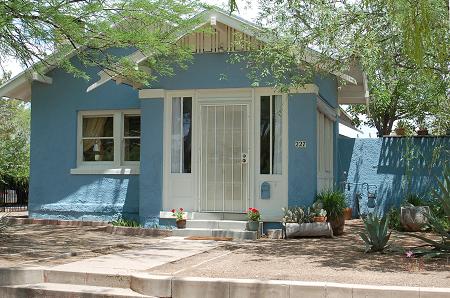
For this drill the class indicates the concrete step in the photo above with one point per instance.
(203, 232)
(216, 224)
(57, 290)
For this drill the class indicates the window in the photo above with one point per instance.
(110, 138)
(271, 135)
(132, 137)
(181, 135)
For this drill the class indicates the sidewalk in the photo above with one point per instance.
(144, 258)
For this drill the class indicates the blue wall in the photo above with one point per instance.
(397, 166)
(54, 192)
(302, 183)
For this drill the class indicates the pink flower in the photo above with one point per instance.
(181, 209)
(409, 254)
(173, 210)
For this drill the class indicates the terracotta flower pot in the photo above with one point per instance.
(400, 131)
(320, 218)
(337, 224)
(181, 223)
(422, 132)
(348, 213)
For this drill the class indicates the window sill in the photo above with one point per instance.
(93, 170)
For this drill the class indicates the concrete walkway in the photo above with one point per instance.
(131, 261)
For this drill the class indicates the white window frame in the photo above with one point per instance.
(271, 137)
(118, 166)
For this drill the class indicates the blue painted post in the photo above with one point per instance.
(302, 181)
(151, 174)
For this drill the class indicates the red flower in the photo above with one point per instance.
(173, 210)
(181, 209)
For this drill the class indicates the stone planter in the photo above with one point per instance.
(414, 219)
(314, 229)
(337, 224)
(253, 225)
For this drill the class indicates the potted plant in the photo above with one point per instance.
(400, 129)
(423, 130)
(414, 213)
(180, 220)
(333, 202)
(320, 216)
(253, 219)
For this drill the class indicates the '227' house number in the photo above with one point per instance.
(300, 144)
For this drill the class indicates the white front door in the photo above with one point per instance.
(224, 178)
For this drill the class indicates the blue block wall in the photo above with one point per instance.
(302, 177)
(396, 166)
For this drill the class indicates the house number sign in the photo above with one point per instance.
(300, 144)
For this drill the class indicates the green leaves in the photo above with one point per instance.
(376, 236)
(32, 30)
(14, 140)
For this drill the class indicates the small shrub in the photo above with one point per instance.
(296, 214)
(376, 236)
(415, 200)
(121, 222)
(333, 201)
(394, 219)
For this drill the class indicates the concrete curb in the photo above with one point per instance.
(186, 287)
(102, 226)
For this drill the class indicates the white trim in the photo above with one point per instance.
(152, 93)
(118, 165)
(96, 170)
(326, 109)
(41, 78)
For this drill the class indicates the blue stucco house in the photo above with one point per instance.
(101, 149)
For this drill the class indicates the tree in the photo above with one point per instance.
(47, 33)
(402, 46)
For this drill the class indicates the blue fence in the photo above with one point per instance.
(389, 168)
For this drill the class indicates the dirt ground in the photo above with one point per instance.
(341, 259)
(45, 245)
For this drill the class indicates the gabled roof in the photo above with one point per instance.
(355, 91)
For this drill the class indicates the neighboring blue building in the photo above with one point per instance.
(204, 139)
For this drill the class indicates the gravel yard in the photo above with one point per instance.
(341, 259)
(45, 245)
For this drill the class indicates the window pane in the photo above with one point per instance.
(132, 126)
(187, 134)
(132, 149)
(265, 135)
(277, 143)
(176, 135)
(98, 150)
(98, 126)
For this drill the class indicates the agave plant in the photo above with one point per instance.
(377, 234)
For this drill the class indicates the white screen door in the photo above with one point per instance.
(224, 157)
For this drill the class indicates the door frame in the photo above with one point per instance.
(251, 151)
(202, 96)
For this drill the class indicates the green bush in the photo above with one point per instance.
(394, 219)
(121, 222)
(415, 200)
(333, 201)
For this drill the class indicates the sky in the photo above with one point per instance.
(248, 9)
